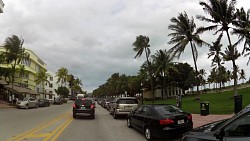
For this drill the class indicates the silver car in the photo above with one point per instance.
(27, 103)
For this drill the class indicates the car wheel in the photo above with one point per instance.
(147, 133)
(129, 122)
(36, 105)
(74, 116)
(26, 106)
(93, 116)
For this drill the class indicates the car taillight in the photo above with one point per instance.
(166, 121)
(74, 106)
(190, 117)
(92, 106)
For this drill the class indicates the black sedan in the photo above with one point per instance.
(160, 121)
(236, 128)
(43, 103)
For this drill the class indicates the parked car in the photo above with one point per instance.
(43, 103)
(83, 106)
(58, 101)
(27, 103)
(236, 128)
(106, 102)
(123, 106)
(160, 121)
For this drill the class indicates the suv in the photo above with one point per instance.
(123, 106)
(83, 106)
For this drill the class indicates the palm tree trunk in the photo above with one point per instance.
(231, 48)
(196, 72)
(151, 75)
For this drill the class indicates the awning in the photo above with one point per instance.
(20, 90)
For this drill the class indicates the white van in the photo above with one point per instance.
(80, 96)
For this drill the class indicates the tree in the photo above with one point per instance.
(242, 29)
(142, 44)
(41, 78)
(222, 15)
(62, 91)
(14, 55)
(183, 34)
(163, 62)
(62, 75)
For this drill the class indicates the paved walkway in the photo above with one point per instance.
(197, 118)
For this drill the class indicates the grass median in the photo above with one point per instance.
(219, 103)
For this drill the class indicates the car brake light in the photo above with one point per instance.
(74, 106)
(92, 106)
(190, 117)
(166, 121)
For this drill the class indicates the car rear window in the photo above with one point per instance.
(85, 102)
(167, 109)
(128, 101)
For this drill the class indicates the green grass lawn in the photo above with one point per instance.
(222, 103)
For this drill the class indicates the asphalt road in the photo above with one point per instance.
(56, 123)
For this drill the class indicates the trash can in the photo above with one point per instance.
(204, 106)
(237, 103)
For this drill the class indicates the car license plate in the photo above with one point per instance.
(180, 121)
(83, 108)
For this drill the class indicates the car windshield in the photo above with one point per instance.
(40, 100)
(167, 109)
(24, 99)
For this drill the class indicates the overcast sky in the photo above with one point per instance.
(93, 38)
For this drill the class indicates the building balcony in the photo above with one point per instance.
(1, 6)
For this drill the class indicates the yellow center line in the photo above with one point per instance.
(31, 133)
(59, 130)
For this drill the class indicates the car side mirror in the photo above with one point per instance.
(219, 134)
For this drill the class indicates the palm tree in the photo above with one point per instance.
(142, 44)
(222, 15)
(163, 63)
(70, 80)
(62, 75)
(22, 72)
(242, 75)
(242, 29)
(202, 74)
(14, 55)
(41, 78)
(183, 34)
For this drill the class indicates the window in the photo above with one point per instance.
(50, 96)
(51, 78)
(146, 111)
(239, 127)
(51, 85)
(26, 62)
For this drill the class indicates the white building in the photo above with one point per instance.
(1, 6)
(52, 85)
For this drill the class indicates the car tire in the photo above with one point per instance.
(93, 116)
(74, 116)
(36, 105)
(27, 106)
(110, 112)
(148, 134)
(129, 122)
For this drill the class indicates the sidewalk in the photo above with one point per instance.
(199, 120)
(4, 104)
